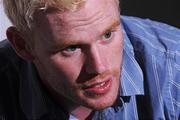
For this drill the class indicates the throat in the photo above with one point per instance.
(82, 113)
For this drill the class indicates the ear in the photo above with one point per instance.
(19, 44)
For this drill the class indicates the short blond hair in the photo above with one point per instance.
(20, 12)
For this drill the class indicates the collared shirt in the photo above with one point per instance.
(150, 79)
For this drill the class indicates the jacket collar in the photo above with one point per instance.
(34, 101)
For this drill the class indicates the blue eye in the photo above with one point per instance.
(71, 48)
(107, 35)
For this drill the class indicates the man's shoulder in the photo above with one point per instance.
(156, 48)
(10, 62)
(9, 81)
(7, 54)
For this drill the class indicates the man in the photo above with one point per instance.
(76, 59)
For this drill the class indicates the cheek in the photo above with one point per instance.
(115, 52)
(69, 68)
(61, 75)
(118, 49)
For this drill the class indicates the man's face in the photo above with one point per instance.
(79, 54)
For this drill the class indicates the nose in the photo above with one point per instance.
(95, 61)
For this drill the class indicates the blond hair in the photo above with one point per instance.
(20, 12)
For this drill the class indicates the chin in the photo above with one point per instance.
(103, 102)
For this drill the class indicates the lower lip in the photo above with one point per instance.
(99, 90)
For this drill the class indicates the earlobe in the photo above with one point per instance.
(18, 43)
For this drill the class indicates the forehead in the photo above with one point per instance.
(91, 16)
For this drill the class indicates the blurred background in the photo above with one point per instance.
(4, 22)
(167, 11)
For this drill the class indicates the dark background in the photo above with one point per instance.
(167, 11)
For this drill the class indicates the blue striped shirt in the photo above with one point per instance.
(150, 80)
(151, 74)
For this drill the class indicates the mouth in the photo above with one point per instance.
(98, 87)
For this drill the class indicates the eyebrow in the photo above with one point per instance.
(65, 44)
(111, 26)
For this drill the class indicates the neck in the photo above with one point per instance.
(82, 113)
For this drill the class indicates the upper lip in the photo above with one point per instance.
(96, 81)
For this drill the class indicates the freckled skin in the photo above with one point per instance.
(64, 70)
